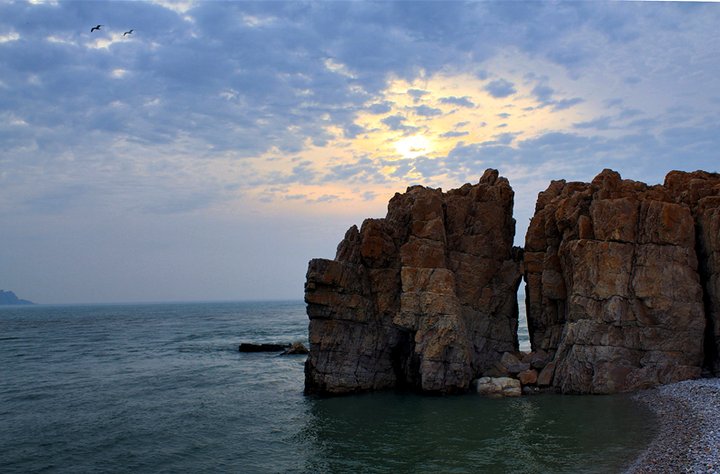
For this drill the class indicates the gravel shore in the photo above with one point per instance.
(688, 438)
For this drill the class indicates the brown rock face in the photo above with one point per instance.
(701, 192)
(613, 289)
(424, 298)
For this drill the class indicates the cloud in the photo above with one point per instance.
(600, 123)
(427, 111)
(459, 101)
(368, 196)
(417, 94)
(545, 95)
(454, 134)
(327, 198)
(362, 170)
(563, 104)
(500, 88)
(380, 108)
(395, 122)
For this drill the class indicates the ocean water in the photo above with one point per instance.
(162, 388)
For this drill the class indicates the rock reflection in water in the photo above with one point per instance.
(390, 432)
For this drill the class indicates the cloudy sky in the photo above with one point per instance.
(212, 152)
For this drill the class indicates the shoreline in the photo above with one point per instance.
(688, 436)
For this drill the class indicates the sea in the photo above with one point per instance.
(162, 388)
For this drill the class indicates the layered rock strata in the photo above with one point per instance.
(613, 290)
(424, 298)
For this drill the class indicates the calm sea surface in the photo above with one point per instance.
(162, 388)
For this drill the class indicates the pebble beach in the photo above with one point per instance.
(688, 437)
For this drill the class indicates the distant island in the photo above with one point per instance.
(8, 297)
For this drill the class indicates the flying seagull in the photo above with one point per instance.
(95, 28)
(128, 32)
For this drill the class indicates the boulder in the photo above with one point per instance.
(538, 359)
(296, 348)
(613, 289)
(424, 298)
(498, 387)
(512, 364)
(528, 377)
(545, 377)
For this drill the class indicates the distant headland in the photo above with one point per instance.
(8, 297)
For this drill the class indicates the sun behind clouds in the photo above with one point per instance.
(413, 146)
(407, 134)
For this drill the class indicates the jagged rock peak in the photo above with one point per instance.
(424, 298)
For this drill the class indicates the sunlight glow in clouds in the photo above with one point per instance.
(426, 118)
(413, 146)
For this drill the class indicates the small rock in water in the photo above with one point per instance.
(295, 349)
(264, 347)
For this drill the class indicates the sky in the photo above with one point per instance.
(216, 149)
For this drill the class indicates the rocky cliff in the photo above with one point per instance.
(424, 298)
(613, 283)
(622, 289)
(700, 191)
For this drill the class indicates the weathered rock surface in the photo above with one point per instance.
(701, 192)
(424, 298)
(613, 290)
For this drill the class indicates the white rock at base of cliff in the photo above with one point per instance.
(498, 387)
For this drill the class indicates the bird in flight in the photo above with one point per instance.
(128, 32)
(95, 28)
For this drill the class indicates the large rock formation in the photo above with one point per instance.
(613, 289)
(701, 192)
(424, 298)
(623, 289)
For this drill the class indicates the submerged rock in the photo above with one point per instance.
(263, 347)
(424, 298)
